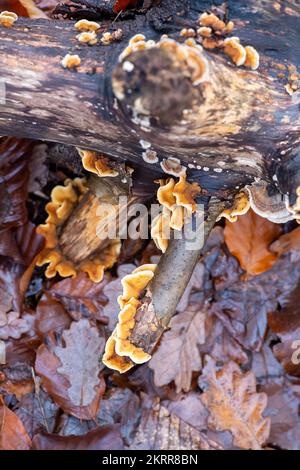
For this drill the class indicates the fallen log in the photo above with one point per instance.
(243, 121)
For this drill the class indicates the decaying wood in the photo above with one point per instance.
(99, 212)
(244, 122)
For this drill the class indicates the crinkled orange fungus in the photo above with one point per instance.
(63, 201)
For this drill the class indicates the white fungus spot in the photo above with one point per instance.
(144, 144)
(128, 66)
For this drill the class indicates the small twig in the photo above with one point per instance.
(165, 290)
(37, 394)
(119, 14)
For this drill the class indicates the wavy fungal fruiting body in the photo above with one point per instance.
(178, 202)
(212, 29)
(7, 18)
(274, 208)
(120, 354)
(71, 61)
(95, 163)
(63, 201)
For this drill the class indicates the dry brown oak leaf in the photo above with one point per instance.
(70, 372)
(161, 430)
(178, 353)
(234, 405)
(249, 240)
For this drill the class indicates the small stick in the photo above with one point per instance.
(165, 290)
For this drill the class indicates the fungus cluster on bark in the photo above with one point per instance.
(63, 201)
(120, 353)
(7, 18)
(166, 100)
(178, 204)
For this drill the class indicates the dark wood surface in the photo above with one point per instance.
(45, 101)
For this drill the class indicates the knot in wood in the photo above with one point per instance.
(151, 84)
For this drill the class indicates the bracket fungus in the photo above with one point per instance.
(120, 354)
(71, 61)
(87, 37)
(272, 206)
(8, 18)
(178, 203)
(96, 163)
(107, 37)
(212, 34)
(63, 201)
(86, 25)
(172, 166)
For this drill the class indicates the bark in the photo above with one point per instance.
(260, 119)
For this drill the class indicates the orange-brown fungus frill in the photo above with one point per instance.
(178, 203)
(95, 163)
(241, 205)
(252, 58)
(235, 50)
(212, 21)
(120, 354)
(7, 18)
(63, 200)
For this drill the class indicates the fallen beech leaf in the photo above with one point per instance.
(285, 323)
(233, 403)
(102, 438)
(243, 306)
(121, 406)
(81, 296)
(13, 435)
(18, 389)
(14, 6)
(177, 355)
(220, 344)
(161, 430)
(47, 5)
(50, 316)
(37, 412)
(283, 409)
(10, 298)
(70, 373)
(32, 10)
(14, 158)
(287, 242)
(29, 242)
(249, 240)
(190, 409)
